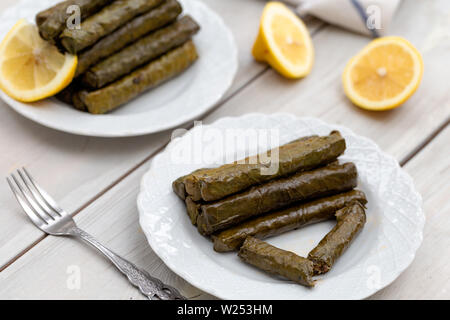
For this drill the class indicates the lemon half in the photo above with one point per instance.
(384, 74)
(284, 42)
(32, 69)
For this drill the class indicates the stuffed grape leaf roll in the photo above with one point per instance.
(67, 93)
(325, 181)
(179, 186)
(70, 95)
(192, 209)
(279, 222)
(140, 52)
(151, 75)
(305, 154)
(104, 22)
(167, 12)
(350, 222)
(52, 22)
(42, 16)
(277, 261)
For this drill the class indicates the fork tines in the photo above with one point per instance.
(38, 205)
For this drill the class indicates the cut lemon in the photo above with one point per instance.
(384, 74)
(284, 42)
(32, 69)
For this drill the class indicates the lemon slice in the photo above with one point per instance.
(384, 74)
(32, 69)
(284, 42)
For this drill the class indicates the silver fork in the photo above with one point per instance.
(50, 218)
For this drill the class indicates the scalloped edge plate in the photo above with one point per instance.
(383, 250)
(175, 102)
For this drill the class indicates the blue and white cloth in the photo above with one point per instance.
(368, 17)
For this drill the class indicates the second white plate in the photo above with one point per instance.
(385, 247)
(171, 104)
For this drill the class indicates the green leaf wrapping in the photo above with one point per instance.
(279, 222)
(167, 12)
(276, 194)
(156, 72)
(104, 22)
(350, 222)
(277, 261)
(179, 187)
(42, 16)
(52, 22)
(70, 96)
(228, 179)
(141, 52)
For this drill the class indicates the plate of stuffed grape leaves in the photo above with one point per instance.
(143, 66)
(280, 207)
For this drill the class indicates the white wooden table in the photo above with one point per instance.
(97, 180)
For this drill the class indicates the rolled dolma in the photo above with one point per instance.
(70, 96)
(306, 154)
(156, 72)
(143, 51)
(45, 14)
(77, 102)
(104, 22)
(350, 221)
(325, 181)
(192, 209)
(52, 22)
(279, 222)
(66, 94)
(179, 187)
(167, 12)
(277, 261)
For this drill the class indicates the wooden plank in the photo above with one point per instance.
(4, 4)
(428, 277)
(48, 270)
(321, 95)
(244, 23)
(76, 169)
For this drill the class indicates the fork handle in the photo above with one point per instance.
(151, 287)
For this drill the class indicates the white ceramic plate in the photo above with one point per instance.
(384, 249)
(173, 103)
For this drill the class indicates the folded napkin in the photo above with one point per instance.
(368, 17)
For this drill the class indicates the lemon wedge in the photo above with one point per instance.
(384, 74)
(32, 69)
(284, 42)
